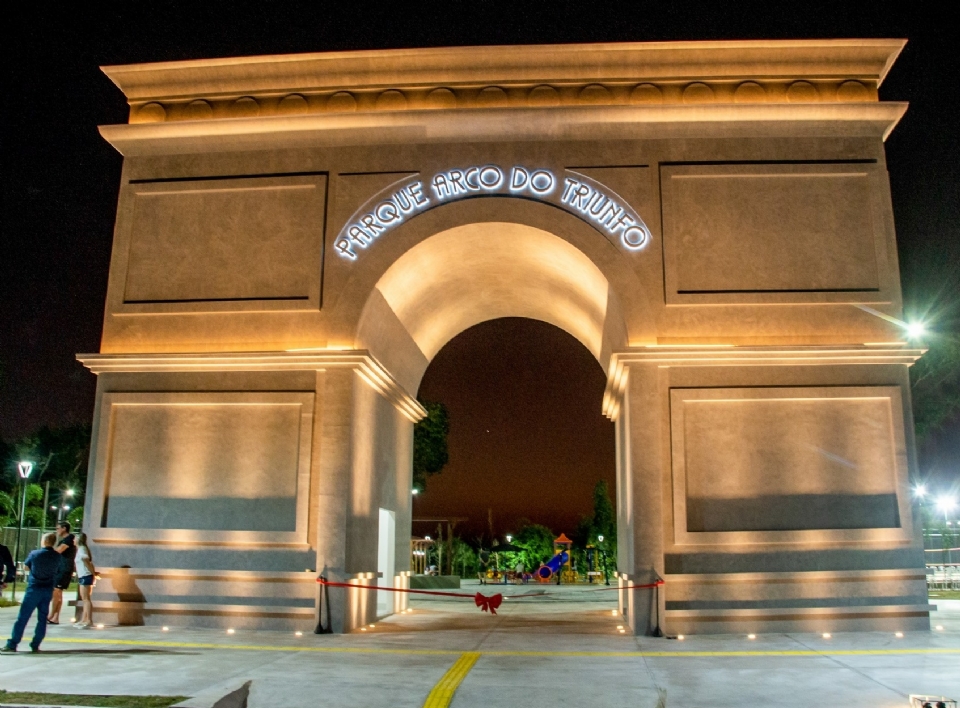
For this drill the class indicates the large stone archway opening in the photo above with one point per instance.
(483, 271)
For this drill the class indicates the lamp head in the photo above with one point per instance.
(920, 491)
(24, 468)
(600, 538)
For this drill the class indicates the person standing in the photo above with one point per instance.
(44, 565)
(8, 570)
(67, 548)
(86, 572)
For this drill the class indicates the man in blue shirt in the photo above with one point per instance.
(44, 568)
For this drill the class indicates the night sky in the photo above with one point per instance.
(61, 183)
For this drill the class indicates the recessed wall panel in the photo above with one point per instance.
(216, 241)
(757, 230)
(206, 464)
(785, 460)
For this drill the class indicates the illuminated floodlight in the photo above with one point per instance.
(915, 330)
(427, 538)
(920, 491)
(69, 493)
(24, 468)
(414, 491)
(946, 504)
(509, 538)
(600, 538)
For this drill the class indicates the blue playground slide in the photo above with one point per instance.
(552, 566)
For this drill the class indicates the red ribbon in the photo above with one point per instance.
(486, 604)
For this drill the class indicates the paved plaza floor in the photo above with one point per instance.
(552, 650)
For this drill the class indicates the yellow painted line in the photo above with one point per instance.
(442, 693)
(451, 652)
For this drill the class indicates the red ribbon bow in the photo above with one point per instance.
(488, 603)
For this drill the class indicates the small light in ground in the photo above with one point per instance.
(751, 636)
(680, 637)
(939, 627)
(619, 626)
(164, 629)
(73, 620)
(622, 631)
(99, 626)
(363, 629)
(613, 613)
(231, 631)
(898, 635)
(826, 635)
(372, 626)
(298, 634)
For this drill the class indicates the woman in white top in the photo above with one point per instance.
(86, 573)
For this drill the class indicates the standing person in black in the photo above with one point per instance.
(7, 569)
(67, 548)
(44, 567)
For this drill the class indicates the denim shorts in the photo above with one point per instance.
(85, 580)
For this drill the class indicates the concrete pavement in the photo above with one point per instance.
(556, 650)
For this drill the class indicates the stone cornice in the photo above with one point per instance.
(721, 355)
(368, 368)
(685, 73)
(874, 120)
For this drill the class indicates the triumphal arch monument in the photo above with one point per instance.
(298, 236)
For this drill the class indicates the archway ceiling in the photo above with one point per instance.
(483, 271)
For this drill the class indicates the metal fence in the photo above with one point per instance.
(29, 539)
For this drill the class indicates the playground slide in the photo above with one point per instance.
(552, 566)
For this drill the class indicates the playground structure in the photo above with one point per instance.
(560, 569)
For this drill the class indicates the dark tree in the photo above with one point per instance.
(430, 443)
(935, 385)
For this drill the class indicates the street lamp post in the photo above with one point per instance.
(24, 468)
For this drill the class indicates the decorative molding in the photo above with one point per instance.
(471, 77)
(366, 366)
(476, 97)
(607, 122)
(722, 355)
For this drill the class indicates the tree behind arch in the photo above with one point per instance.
(430, 443)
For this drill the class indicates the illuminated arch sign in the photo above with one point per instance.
(583, 197)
